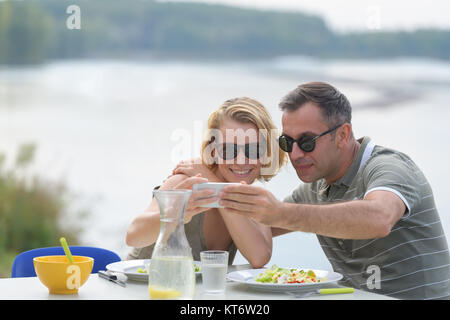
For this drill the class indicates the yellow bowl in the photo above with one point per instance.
(60, 276)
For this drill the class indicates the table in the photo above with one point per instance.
(97, 288)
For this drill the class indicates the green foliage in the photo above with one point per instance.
(31, 210)
(25, 33)
(34, 30)
(425, 43)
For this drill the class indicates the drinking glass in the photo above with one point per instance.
(214, 270)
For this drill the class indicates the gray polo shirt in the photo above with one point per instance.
(413, 261)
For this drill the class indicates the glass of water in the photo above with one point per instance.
(214, 270)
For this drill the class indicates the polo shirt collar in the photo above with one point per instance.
(364, 153)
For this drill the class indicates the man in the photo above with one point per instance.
(371, 207)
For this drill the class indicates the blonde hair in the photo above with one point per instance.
(246, 110)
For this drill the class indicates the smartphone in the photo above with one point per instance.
(217, 186)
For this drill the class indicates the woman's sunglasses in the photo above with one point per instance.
(228, 151)
(306, 143)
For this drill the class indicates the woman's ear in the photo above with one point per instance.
(214, 156)
(209, 154)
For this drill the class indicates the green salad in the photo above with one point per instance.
(279, 275)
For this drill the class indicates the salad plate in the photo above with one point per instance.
(248, 277)
(137, 270)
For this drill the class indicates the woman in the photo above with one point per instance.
(240, 146)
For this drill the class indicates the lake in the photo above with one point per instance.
(112, 130)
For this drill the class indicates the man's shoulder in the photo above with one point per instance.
(383, 157)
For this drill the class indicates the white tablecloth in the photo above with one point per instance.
(97, 288)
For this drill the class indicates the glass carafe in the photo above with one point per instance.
(171, 272)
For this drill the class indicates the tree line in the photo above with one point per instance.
(34, 31)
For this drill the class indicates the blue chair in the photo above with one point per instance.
(23, 263)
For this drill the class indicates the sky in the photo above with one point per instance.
(348, 15)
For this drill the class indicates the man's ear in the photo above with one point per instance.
(343, 134)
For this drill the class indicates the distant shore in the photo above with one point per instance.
(389, 97)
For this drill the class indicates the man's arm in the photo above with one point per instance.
(357, 219)
(370, 218)
(279, 231)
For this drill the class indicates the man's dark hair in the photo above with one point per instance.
(336, 109)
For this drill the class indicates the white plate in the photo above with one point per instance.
(130, 267)
(248, 277)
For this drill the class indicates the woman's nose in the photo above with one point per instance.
(241, 158)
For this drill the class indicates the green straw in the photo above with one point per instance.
(66, 249)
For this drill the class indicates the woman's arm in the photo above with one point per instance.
(253, 239)
(144, 229)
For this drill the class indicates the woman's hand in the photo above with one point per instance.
(195, 202)
(193, 167)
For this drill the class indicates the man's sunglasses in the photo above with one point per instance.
(306, 143)
(228, 151)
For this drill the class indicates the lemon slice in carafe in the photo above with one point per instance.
(163, 293)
